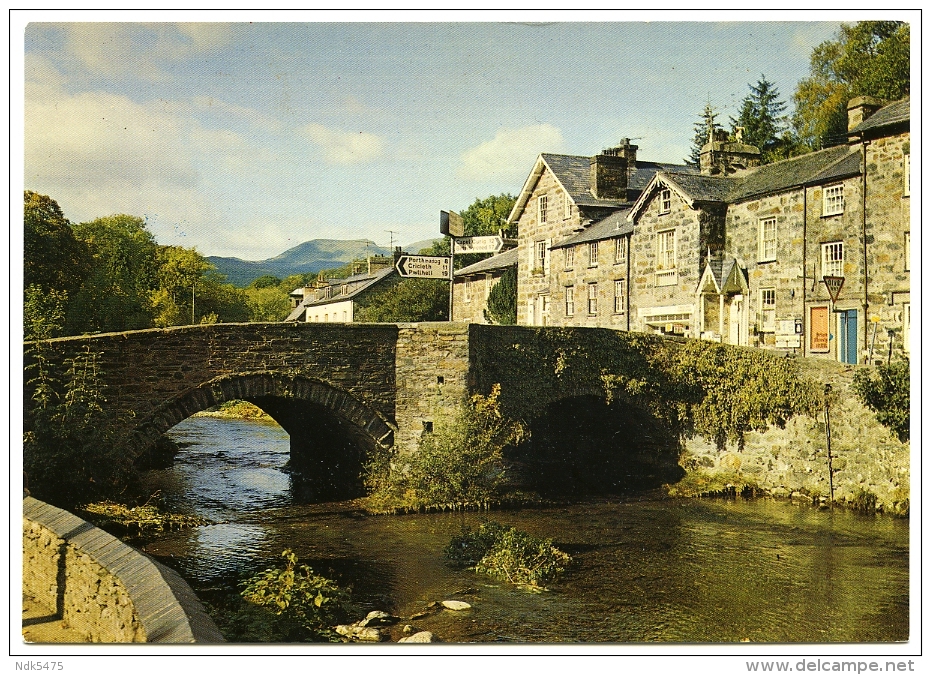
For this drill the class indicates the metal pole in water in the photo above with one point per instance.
(827, 433)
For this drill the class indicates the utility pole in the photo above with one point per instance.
(391, 244)
(193, 284)
(827, 433)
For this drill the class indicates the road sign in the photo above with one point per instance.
(833, 284)
(424, 266)
(488, 244)
(451, 224)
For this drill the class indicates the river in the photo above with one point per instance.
(647, 569)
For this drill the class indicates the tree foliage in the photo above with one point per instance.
(886, 393)
(407, 300)
(502, 300)
(54, 259)
(485, 216)
(707, 122)
(870, 58)
(763, 120)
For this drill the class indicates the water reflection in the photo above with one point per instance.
(644, 569)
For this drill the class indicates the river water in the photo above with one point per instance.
(649, 569)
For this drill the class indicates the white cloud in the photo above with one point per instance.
(345, 147)
(510, 153)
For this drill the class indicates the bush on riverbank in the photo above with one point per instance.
(509, 554)
(887, 394)
(73, 453)
(460, 465)
(305, 605)
(699, 483)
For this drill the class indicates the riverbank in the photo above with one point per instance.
(237, 410)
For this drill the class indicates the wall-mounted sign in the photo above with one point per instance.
(451, 224)
(833, 284)
(820, 330)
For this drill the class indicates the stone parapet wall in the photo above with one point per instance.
(432, 377)
(103, 589)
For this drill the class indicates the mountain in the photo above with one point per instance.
(418, 246)
(311, 256)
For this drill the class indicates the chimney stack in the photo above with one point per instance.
(860, 108)
(609, 171)
(722, 157)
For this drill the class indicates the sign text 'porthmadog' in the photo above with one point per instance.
(424, 266)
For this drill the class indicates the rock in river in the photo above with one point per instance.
(456, 605)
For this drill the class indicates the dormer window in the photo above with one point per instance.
(665, 201)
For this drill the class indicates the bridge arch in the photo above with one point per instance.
(332, 433)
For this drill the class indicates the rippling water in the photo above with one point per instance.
(644, 570)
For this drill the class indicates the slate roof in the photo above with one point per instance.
(701, 188)
(824, 165)
(574, 172)
(894, 113)
(614, 225)
(354, 285)
(495, 262)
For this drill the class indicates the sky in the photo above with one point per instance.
(245, 139)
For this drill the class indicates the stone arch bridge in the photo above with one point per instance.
(342, 391)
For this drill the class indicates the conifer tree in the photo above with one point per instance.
(703, 127)
(762, 119)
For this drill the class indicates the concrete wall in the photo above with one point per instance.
(102, 588)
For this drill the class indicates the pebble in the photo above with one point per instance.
(456, 605)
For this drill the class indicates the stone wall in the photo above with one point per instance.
(432, 377)
(793, 462)
(103, 589)
(606, 270)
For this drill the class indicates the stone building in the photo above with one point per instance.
(473, 284)
(563, 196)
(739, 253)
(335, 300)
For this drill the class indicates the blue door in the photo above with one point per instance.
(848, 335)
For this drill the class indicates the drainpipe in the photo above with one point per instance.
(866, 276)
(804, 271)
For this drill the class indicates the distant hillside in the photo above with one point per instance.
(311, 256)
(418, 246)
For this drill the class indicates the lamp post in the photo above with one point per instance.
(193, 285)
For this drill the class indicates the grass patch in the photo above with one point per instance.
(135, 521)
(241, 410)
(508, 554)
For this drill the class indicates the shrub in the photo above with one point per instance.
(73, 453)
(887, 395)
(502, 300)
(299, 596)
(460, 465)
(509, 554)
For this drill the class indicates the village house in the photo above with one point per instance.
(563, 196)
(739, 253)
(336, 300)
(472, 286)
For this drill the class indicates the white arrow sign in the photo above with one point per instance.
(489, 244)
(424, 266)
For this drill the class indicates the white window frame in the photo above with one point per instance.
(620, 296)
(570, 257)
(767, 310)
(665, 201)
(832, 265)
(593, 254)
(768, 240)
(833, 202)
(593, 298)
(908, 251)
(540, 250)
(620, 250)
(541, 209)
(567, 205)
(570, 300)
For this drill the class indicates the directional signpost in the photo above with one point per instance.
(487, 244)
(425, 267)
